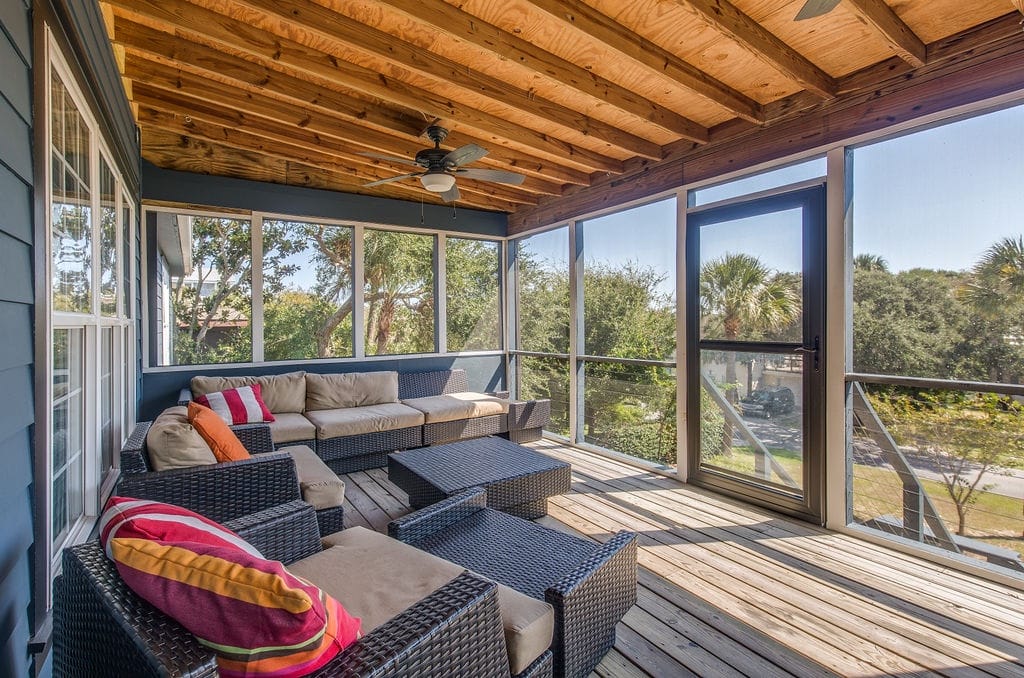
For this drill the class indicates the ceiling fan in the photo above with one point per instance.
(816, 8)
(442, 167)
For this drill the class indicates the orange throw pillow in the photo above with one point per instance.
(222, 440)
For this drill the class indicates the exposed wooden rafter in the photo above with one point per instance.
(903, 41)
(606, 30)
(453, 21)
(590, 100)
(725, 17)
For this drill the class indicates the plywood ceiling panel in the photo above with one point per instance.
(564, 92)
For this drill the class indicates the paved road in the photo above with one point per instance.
(785, 433)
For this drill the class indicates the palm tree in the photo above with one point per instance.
(870, 262)
(739, 294)
(997, 279)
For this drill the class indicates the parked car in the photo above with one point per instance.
(768, 402)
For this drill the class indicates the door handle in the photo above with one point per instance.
(813, 351)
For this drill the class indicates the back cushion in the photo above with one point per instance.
(356, 389)
(258, 618)
(280, 392)
(172, 442)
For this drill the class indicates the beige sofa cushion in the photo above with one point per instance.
(356, 389)
(289, 427)
(320, 486)
(352, 421)
(280, 392)
(376, 577)
(172, 442)
(453, 406)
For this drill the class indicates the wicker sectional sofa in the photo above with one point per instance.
(353, 420)
(447, 623)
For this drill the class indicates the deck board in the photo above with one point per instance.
(727, 589)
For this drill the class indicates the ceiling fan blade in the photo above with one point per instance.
(389, 158)
(463, 155)
(452, 194)
(500, 176)
(816, 8)
(390, 179)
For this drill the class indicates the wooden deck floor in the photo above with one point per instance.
(731, 590)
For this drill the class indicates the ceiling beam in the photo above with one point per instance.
(250, 112)
(344, 162)
(726, 18)
(900, 38)
(320, 23)
(453, 21)
(185, 153)
(195, 23)
(604, 29)
(975, 65)
(1019, 4)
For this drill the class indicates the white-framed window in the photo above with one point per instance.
(90, 363)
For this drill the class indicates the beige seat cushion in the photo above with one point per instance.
(280, 392)
(355, 389)
(320, 486)
(452, 406)
(289, 427)
(376, 577)
(172, 442)
(353, 421)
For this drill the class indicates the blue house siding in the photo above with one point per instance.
(201, 189)
(16, 332)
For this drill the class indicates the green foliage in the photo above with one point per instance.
(964, 435)
(474, 303)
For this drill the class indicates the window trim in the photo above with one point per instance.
(95, 488)
(358, 228)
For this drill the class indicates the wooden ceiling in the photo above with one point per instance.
(565, 92)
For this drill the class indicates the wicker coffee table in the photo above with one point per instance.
(518, 481)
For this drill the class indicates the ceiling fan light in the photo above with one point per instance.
(437, 182)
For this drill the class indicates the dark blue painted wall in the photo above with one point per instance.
(201, 189)
(16, 336)
(485, 373)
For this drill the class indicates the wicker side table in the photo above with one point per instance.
(518, 481)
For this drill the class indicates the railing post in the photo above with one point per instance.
(913, 512)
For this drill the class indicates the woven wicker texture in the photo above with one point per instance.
(590, 586)
(346, 454)
(225, 491)
(461, 429)
(523, 414)
(543, 667)
(513, 475)
(101, 628)
(525, 435)
(424, 384)
(220, 491)
(287, 532)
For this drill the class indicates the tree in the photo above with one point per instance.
(218, 292)
(965, 435)
(741, 298)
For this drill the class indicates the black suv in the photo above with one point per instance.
(768, 402)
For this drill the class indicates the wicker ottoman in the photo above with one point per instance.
(518, 481)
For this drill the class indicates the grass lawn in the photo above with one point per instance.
(995, 519)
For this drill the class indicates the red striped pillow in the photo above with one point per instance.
(258, 618)
(242, 405)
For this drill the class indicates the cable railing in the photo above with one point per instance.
(939, 462)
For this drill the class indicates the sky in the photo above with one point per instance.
(934, 199)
